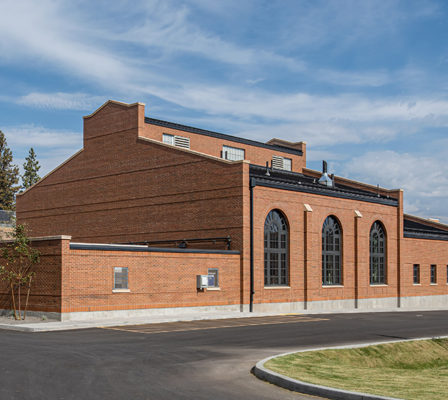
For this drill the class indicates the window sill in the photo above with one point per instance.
(332, 286)
(417, 284)
(433, 284)
(213, 288)
(121, 290)
(379, 285)
(277, 287)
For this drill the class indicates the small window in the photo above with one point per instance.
(416, 274)
(232, 153)
(178, 141)
(287, 164)
(168, 139)
(433, 274)
(120, 278)
(279, 162)
(213, 278)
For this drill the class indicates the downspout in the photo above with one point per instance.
(252, 184)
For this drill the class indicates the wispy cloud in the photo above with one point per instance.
(61, 101)
(25, 136)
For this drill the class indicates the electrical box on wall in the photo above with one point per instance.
(202, 282)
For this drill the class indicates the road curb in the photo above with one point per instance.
(265, 374)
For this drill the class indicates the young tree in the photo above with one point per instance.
(16, 268)
(31, 168)
(9, 176)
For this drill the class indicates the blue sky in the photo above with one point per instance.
(364, 83)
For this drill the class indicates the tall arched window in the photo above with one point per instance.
(377, 254)
(331, 252)
(275, 250)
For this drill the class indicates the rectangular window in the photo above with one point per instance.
(120, 278)
(232, 153)
(213, 278)
(168, 139)
(279, 162)
(416, 274)
(287, 164)
(433, 274)
(178, 141)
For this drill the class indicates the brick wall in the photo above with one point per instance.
(83, 280)
(305, 234)
(123, 189)
(45, 294)
(156, 280)
(425, 253)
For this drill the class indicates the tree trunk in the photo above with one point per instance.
(13, 300)
(27, 297)
(18, 301)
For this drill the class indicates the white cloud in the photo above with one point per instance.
(422, 177)
(26, 136)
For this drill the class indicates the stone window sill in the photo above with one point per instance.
(379, 285)
(213, 288)
(121, 290)
(277, 287)
(332, 286)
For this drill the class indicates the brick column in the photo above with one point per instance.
(307, 250)
(357, 217)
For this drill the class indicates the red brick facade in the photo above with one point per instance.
(77, 280)
(126, 186)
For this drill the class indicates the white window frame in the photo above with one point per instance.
(214, 271)
(168, 139)
(121, 270)
(233, 153)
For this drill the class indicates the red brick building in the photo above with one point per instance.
(152, 204)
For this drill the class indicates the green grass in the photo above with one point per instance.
(414, 370)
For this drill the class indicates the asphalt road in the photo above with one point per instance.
(195, 360)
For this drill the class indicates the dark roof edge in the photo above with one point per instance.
(145, 249)
(425, 235)
(426, 221)
(223, 136)
(349, 196)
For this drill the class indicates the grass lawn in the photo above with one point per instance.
(416, 370)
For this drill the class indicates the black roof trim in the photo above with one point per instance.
(145, 249)
(416, 234)
(297, 182)
(422, 227)
(223, 136)
(324, 192)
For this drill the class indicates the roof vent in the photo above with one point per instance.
(325, 179)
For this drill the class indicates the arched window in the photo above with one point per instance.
(275, 250)
(331, 252)
(377, 254)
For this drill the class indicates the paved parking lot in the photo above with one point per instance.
(217, 324)
(198, 360)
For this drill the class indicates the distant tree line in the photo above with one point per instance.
(10, 175)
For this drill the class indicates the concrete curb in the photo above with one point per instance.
(261, 372)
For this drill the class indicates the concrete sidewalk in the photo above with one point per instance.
(49, 326)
